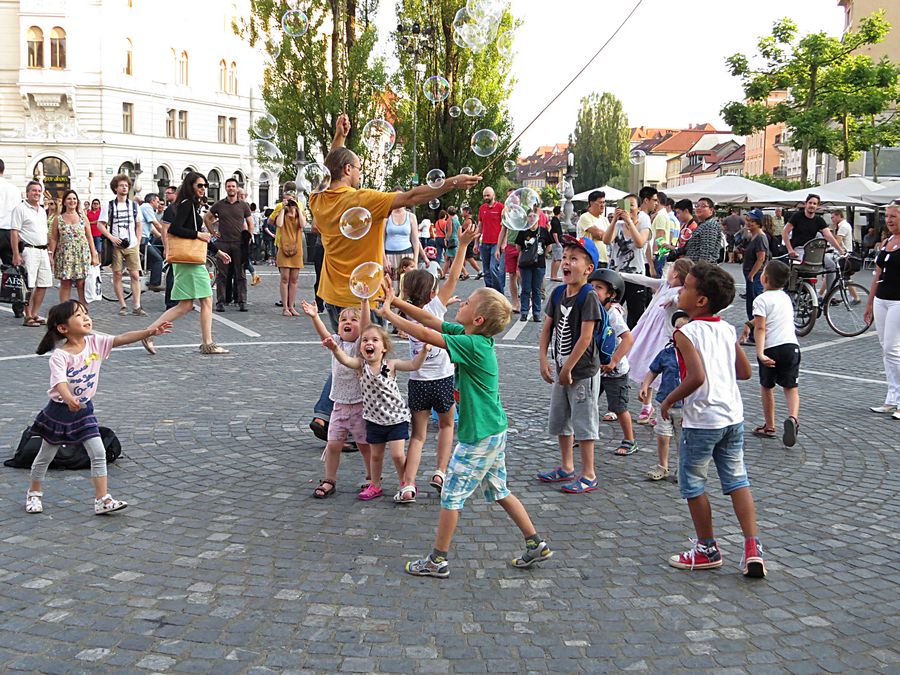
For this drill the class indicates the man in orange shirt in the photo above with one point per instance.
(343, 255)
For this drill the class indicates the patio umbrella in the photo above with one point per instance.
(827, 197)
(728, 190)
(886, 194)
(852, 186)
(612, 194)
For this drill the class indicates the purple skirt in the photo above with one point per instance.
(56, 424)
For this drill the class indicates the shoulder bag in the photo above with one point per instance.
(187, 251)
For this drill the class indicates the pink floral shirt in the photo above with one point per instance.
(81, 371)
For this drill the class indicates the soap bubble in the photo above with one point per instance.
(436, 88)
(518, 210)
(378, 136)
(269, 46)
(473, 107)
(434, 204)
(365, 280)
(485, 9)
(505, 45)
(315, 178)
(473, 32)
(509, 166)
(267, 155)
(435, 178)
(467, 171)
(485, 142)
(637, 156)
(355, 222)
(562, 188)
(455, 111)
(263, 125)
(293, 4)
(295, 23)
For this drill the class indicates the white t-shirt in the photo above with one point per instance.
(9, 198)
(434, 269)
(425, 229)
(345, 381)
(623, 255)
(619, 326)
(31, 223)
(778, 311)
(587, 220)
(845, 235)
(437, 364)
(716, 404)
(123, 225)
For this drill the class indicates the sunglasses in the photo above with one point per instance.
(202, 185)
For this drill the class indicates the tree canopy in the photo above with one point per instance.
(600, 140)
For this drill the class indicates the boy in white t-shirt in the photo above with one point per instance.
(713, 418)
(777, 351)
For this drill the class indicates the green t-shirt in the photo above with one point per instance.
(481, 413)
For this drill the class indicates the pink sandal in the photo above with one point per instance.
(369, 492)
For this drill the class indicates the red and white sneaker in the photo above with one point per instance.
(752, 564)
(699, 557)
(645, 416)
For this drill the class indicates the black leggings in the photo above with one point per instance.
(636, 300)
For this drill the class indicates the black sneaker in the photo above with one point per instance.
(524, 317)
(220, 307)
(242, 307)
(426, 567)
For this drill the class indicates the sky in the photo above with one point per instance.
(667, 65)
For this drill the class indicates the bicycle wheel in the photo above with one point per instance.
(806, 308)
(108, 289)
(211, 269)
(844, 312)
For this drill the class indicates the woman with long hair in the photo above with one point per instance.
(192, 279)
(71, 247)
(289, 223)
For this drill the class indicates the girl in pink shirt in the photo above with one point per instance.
(69, 415)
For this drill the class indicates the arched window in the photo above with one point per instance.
(58, 48)
(223, 76)
(174, 66)
(35, 47)
(183, 68)
(129, 57)
(232, 78)
(214, 180)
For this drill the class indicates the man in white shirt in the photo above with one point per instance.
(151, 240)
(628, 239)
(28, 236)
(119, 224)
(593, 224)
(9, 198)
(843, 230)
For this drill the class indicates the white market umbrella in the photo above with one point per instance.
(852, 186)
(886, 194)
(827, 197)
(728, 190)
(612, 194)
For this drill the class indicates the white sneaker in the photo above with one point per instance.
(106, 504)
(33, 502)
(896, 415)
(885, 409)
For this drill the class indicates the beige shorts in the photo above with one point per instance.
(131, 256)
(38, 268)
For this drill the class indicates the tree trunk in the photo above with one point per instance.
(846, 141)
(810, 102)
(874, 152)
(804, 162)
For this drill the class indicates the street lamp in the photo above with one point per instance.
(413, 40)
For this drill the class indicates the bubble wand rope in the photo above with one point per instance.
(563, 90)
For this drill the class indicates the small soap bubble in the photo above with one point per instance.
(355, 222)
(473, 107)
(315, 178)
(467, 171)
(518, 210)
(378, 136)
(365, 280)
(266, 154)
(509, 166)
(264, 125)
(455, 111)
(295, 23)
(434, 204)
(436, 88)
(637, 156)
(435, 178)
(485, 142)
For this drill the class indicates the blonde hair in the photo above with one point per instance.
(349, 310)
(494, 308)
(385, 338)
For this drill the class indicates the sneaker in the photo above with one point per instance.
(33, 502)
(645, 416)
(532, 556)
(254, 281)
(699, 557)
(123, 311)
(426, 567)
(885, 409)
(220, 307)
(524, 317)
(106, 504)
(369, 492)
(752, 563)
(139, 311)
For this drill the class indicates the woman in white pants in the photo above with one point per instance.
(884, 307)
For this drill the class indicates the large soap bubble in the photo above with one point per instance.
(263, 125)
(355, 222)
(485, 9)
(471, 32)
(435, 178)
(518, 210)
(637, 156)
(295, 23)
(378, 136)
(267, 155)
(365, 280)
(434, 204)
(509, 166)
(485, 142)
(315, 178)
(473, 107)
(455, 111)
(505, 45)
(436, 88)
(467, 171)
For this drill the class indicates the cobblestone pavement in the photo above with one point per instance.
(224, 562)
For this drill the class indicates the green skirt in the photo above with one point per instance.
(191, 282)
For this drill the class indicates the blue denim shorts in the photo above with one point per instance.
(723, 446)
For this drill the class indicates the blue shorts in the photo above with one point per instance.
(723, 446)
(385, 433)
(481, 464)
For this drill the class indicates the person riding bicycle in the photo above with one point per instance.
(806, 225)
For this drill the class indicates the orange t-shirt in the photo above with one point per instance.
(343, 255)
(440, 228)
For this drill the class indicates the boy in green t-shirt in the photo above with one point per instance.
(480, 457)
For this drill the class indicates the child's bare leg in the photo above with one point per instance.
(587, 459)
(445, 438)
(366, 453)
(792, 398)
(768, 404)
(446, 528)
(399, 457)
(662, 450)
(375, 463)
(333, 458)
(567, 461)
(519, 515)
(626, 426)
(745, 510)
(416, 443)
(100, 486)
(701, 514)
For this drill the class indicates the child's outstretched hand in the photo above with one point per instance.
(468, 232)
(452, 300)
(164, 327)
(329, 343)
(644, 394)
(308, 309)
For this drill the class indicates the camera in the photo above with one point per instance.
(124, 243)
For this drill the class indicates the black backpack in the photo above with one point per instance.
(70, 456)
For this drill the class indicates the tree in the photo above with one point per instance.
(600, 140)
(800, 67)
(779, 182)
(549, 195)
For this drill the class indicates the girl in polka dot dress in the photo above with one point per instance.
(384, 410)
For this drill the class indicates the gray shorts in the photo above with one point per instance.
(556, 251)
(573, 409)
(616, 389)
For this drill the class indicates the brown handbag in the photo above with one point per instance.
(189, 251)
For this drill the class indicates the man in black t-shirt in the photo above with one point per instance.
(234, 218)
(806, 225)
(168, 217)
(556, 247)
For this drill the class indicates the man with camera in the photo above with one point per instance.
(120, 225)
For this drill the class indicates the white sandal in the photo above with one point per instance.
(406, 490)
(610, 417)
(33, 502)
(106, 504)
(433, 482)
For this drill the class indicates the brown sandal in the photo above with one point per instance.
(321, 492)
(762, 431)
(31, 322)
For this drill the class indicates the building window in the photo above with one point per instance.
(232, 130)
(182, 124)
(58, 48)
(128, 118)
(221, 128)
(35, 47)
(232, 78)
(223, 76)
(129, 57)
(183, 68)
(170, 123)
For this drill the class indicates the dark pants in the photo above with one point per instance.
(233, 249)
(494, 270)
(170, 281)
(318, 257)
(154, 260)
(532, 281)
(636, 300)
(6, 257)
(754, 289)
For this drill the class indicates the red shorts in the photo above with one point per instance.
(512, 259)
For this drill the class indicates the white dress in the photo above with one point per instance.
(654, 328)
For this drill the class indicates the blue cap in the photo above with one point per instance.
(585, 244)
(755, 214)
